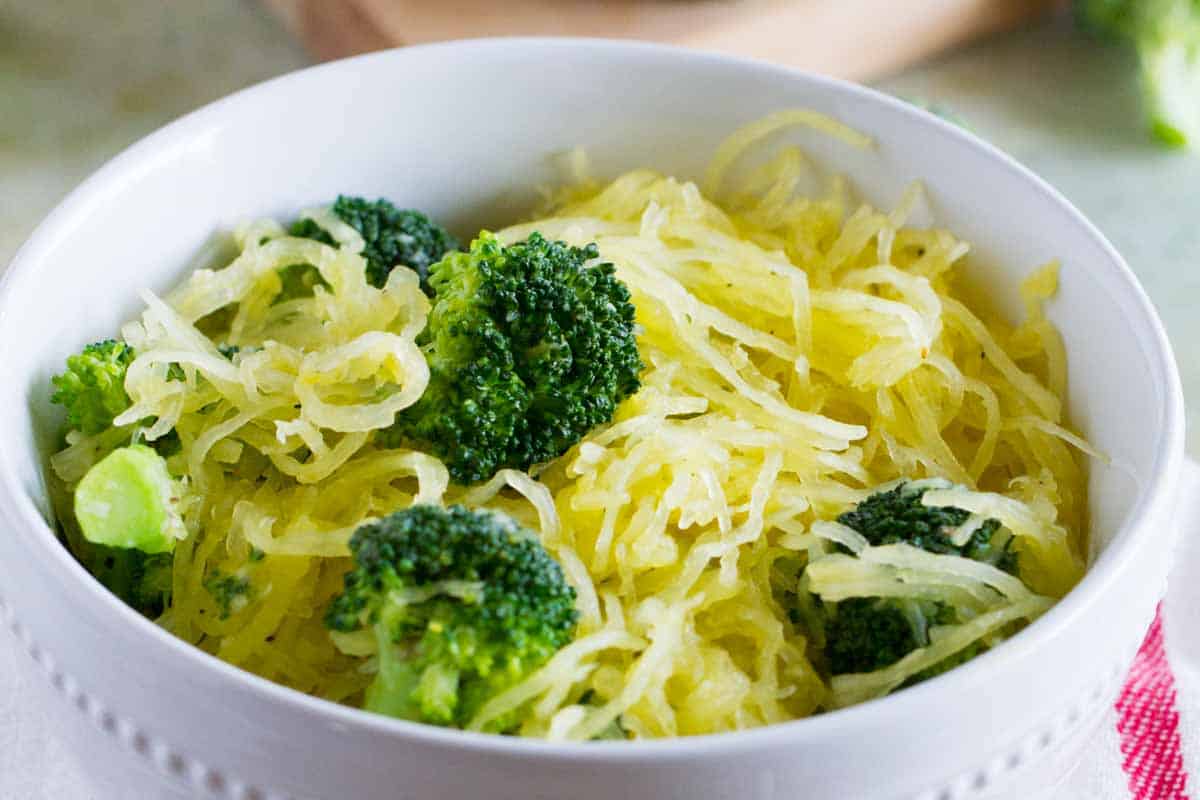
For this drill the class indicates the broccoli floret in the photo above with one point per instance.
(1166, 35)
(462, 604)
(93, 387)
(231, 593)
(863, 634)
(392, 235)
(897, 515)
(529, 346)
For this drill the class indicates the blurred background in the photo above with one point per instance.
(82, 79)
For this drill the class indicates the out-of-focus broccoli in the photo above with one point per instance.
(392, 235)
(92, 389)
(530, 346)
(462, 604)
(863, 634)
(1166, 35)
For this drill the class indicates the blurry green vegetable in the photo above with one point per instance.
(1166, 35)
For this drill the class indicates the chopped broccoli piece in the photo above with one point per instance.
(462, 604)
(299, 280)
(93, 387)
(231, 350)
(897, 515)
(530, 346)
(864, 634)
(128, 500)
(1166, 35)
(141, 580)
(393, 236)
(231, 593)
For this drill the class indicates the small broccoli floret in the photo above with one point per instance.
(529, 346)
(864, 634)
(393, 236)
(1166, 35)
(93, 387)
(462, 604)
(897, 515)
(128, 500)
(231, 593)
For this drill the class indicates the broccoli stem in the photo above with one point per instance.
(391, 693)
(128, 500)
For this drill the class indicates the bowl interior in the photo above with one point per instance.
(468, 133)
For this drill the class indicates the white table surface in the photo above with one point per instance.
(80, 79)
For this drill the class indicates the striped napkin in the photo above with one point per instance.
(1150, 740)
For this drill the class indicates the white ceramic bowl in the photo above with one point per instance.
(464, 131)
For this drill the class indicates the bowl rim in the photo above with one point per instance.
(1154, 494)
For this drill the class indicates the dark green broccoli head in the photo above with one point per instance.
(863, 634)
(463, 604)
(897, 515)
(530, 346)
(92, 389)
(392, 235)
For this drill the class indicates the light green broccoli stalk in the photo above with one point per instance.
(129, 500)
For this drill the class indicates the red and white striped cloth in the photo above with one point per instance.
(1149, 746)
(1148, 724)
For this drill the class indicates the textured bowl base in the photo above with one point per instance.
(1045, 773)
(125, 768)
